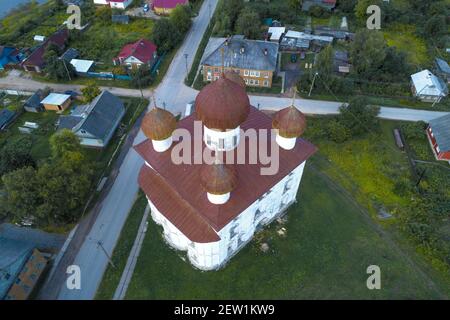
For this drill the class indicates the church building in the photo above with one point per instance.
(211, 211)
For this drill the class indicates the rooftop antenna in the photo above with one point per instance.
(295, 95)
(154, 100)
(222, 51)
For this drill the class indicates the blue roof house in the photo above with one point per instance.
(9, 55)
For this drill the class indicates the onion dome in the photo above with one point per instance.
(233, 76)
(158, 124)
(222, 104)
(290, 122)
(218, 179)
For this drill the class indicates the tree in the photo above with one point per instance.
(295, 4)
(368, 52)
(64, 185)
(64, 141)
(141, 77)
(324, 65)
(16, 154)
(21, 193)
(337, 132)
(347, 6)
(104, 14)
(55, 67)
(319, 12)
(90, 92)
(165, 35)
(249, 24)
(180, 17)
(436, 26)
(358, 117)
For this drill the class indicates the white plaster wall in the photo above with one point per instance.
(211, 256)
(227, 137)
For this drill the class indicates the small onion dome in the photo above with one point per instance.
(222, 104)
(290, 122)
(233, 76)
(218, 179)
(158, 124)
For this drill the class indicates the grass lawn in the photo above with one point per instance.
(328, 247)
(112, 276)
(403, 38)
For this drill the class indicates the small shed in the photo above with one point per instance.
(82, 66)
(120, 18)
(33, 104)
(6, 117)
(56, 102)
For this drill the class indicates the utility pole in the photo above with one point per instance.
(100, 244)
(312, 84)
(209, 7)
(186, 57)
(67, 70)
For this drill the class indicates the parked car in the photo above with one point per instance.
(146, 7)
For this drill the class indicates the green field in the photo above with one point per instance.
(328, 247)
(330, 242)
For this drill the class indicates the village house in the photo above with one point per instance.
(35, 61)
(21, 266)
(6, 118)
(134, 55)
(56, 102)
(213, 210)
(443, 69)
(9, 56)
(115, 4)
(275, 33)
(254, 60)
(165, 7)
(295, 41)
(341, 62)
(33, 104)
(427, 87)
(438, 133)
(96, 122)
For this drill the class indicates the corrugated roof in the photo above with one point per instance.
(82, 66)
(443, 66)
(441, 131)
(13, 255)
(103, 115)
(253, 57)
(187, 197)
(5, 116)
(35, 100)
(428, 84)
(56, 99)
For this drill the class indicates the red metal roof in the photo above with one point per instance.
(59, 38)
(142, 50)
(168, 4)
(177, 192)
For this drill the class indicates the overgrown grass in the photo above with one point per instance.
(328, 247)
(403, 37)
(122, 250)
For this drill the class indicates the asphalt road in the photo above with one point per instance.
(92, 258)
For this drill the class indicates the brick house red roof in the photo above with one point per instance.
(168, 4)
(143, 50)
(59, 38)
(177, 192)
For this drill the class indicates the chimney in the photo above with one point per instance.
(226, 41)
(242, 50)
(266, 51)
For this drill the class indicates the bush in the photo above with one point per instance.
(319, 12)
